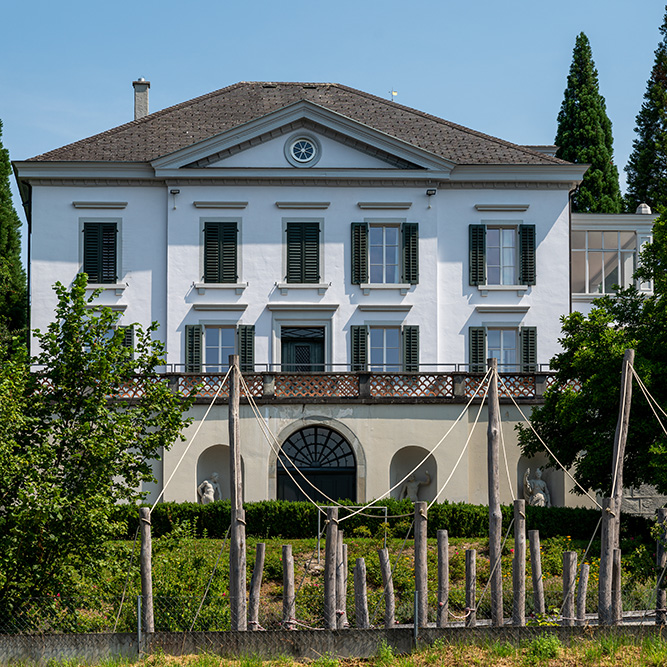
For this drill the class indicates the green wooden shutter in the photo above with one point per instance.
(527, 268)
(528, 336)
(359, 253)
(477, 349)
(246, 347)
(359, 336)
(128, 336)
(303, 252)
(193, 348)
(220, 252)
(410, 241)
(410, 335)
(99, 251)
(477, 255)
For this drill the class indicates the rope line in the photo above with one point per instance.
(544, 444)
(127, 580)
(502, 442)
(650, 399)
(621, 420)
(201, 423)
(495, 565)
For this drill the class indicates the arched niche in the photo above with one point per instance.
(404, 461)
(216, 459)
(554, 478)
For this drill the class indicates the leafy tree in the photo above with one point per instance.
(69, 453)
(13, 303)
(647, 165)
(584, 135)
(578, 418)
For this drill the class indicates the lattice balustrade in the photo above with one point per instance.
(317, 386)
(518, 386)
(209, 385)
(412, 385)
(551, 381)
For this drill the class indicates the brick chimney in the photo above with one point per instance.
(141, 87)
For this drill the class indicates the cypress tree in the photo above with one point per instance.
(584, 135)
(647, 166)
(13, 307)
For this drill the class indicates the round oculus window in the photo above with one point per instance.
(303, 150)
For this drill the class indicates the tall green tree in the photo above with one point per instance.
(13, 302)
(68, 452)
(584, 135)
(647, 165)
(578, 418)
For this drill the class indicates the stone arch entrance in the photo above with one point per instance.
(216, 459)
(325, 458)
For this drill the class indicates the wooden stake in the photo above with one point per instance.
(421, 563)
(388, 586)
(536, 568)
(616, 591)
(360, 599)
(341, 583)
(581, 594)
(443, 579)
(661, 562)
(605, 610)
(147, 620)
(495, 516)
(256, 585)
(237, 549)
(519, 564)
(620, 438)
(289, 601)
(471, 588)
(569, 584)
(330, 552)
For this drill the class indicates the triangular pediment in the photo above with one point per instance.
(268, 143)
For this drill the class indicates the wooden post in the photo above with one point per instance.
(661, 562)
(388, 585)
(620, 438)
(237, 549)
(495, 516)
(341, 583)
(147, 620)
(519, 564)
(536, 568)
(330, 552)
(256, 585)
(471, 588)
(616, 591)
(581, 593)
(421, 563)
(443, 579)
(360, 600)
(605, 610)
(569, 584)
(289, 601)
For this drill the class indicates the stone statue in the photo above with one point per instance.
(536, 491)
(207, 490)
(411, 487)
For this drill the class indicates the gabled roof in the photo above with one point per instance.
(177, 127)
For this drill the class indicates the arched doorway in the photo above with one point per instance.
(325, 457)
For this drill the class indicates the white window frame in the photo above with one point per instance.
(502, 226)
(384, 366)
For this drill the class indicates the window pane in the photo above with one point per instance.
(492, 237)
(392, 337)
(595, 240)
(627, 268)
(578, 239)
(493, 256)
(610, 270)
(508, 238)
(595, 272)
(508, 275)
(391, 235)
(493, 338)
(493, 275)
(377, 337)
(579, 272)
(376, 254)
(610, 239)
(376, 273)
(392, 274)
(628, 240)
(375, 235)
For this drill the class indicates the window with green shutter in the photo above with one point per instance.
(100, 252)
(246, 347)
(220, 252)
(527, 267)
(410, 241)
(477, 254)
(359, 338)
(410, 336)
(128, 336)
(303, 252)
(528, 336)
(193, 348)
(359, 253)
(477, 336)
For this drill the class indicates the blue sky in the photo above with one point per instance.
(497, 67)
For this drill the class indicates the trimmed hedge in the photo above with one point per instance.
(295, 520)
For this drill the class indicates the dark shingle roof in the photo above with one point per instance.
(187, 123)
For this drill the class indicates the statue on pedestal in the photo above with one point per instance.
(207, 490)
(536, 491)
(411, 487)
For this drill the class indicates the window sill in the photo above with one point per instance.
(118, 287)
(286, 287)
(519, 289)
(403, 288)
(237, 287)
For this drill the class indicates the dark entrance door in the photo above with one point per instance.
(325, 458)
(302, 349)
